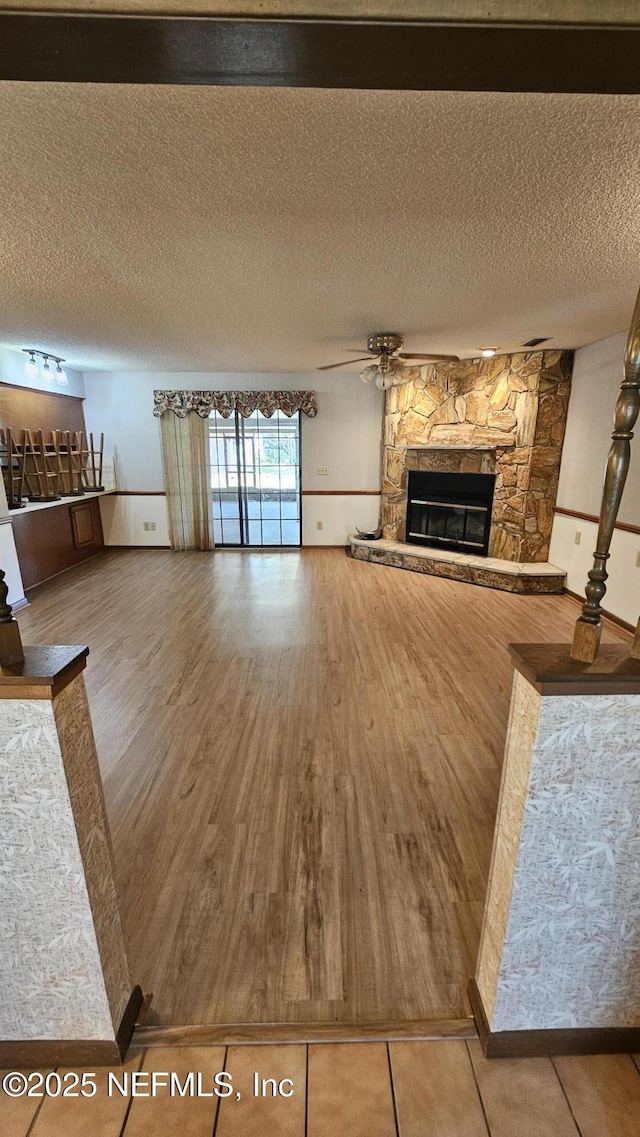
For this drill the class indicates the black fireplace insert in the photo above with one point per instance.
(450, 511)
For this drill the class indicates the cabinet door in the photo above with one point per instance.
(82, 525)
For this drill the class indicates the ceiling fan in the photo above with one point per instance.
(389, 370)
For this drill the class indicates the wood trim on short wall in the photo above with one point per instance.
(234, 1034)
(139, 493)
(548, 1043)
(128, 1021)
(624, 525)
(451, 55)
(620, 623)
(48, 1053)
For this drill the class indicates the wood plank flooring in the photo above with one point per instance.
(301, 756)
(398, 1089)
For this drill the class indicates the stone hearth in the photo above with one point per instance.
(491, 572)
(504, 415)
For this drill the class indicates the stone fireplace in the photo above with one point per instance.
(505, 417)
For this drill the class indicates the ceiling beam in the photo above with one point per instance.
(476, 11)
(304, 53)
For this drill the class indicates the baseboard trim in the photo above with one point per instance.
(617, 620)
(237, 1034)
(549, 1043)
(48, 1053)
(128, 1021)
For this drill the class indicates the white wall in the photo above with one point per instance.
(8, 554)
(597, 373)
(12, 371)
(345, 436)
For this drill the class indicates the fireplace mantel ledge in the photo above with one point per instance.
(460, 446)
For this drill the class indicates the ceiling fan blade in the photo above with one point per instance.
(427, 355)
(330, 366)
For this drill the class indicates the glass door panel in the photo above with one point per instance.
(255, 479)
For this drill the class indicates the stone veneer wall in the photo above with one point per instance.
(505, 415)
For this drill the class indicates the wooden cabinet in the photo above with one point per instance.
(55, 537)
(83, 524)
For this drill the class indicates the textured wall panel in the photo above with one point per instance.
(570, 951)
(51, 982)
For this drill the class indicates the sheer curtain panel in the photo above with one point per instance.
(187, 480)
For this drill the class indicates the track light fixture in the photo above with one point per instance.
(31, 366)
(47, 373)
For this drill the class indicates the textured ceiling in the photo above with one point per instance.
(250, 229)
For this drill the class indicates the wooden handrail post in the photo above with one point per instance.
(11, 650)
(586, 638)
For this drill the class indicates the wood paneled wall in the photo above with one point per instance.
(22, 407)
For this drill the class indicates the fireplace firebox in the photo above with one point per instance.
(450, 511)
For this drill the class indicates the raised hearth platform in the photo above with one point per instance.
(510, 576)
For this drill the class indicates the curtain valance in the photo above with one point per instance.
(226, 402)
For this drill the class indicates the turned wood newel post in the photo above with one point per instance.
(10, 643)
(586, 639)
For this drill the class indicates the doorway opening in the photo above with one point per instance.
(255, 479)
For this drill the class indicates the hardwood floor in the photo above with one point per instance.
(400, 1089)
(301, 756)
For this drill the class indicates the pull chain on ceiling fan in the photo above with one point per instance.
(389, 370)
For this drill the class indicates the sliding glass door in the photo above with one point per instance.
(255, 479)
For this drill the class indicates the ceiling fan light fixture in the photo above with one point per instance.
(392, 374)
(369, 373)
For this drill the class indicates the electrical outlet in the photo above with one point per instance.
(149, 526)
(638, 560)
(323, 469)
(320, 526)
(578, 537)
